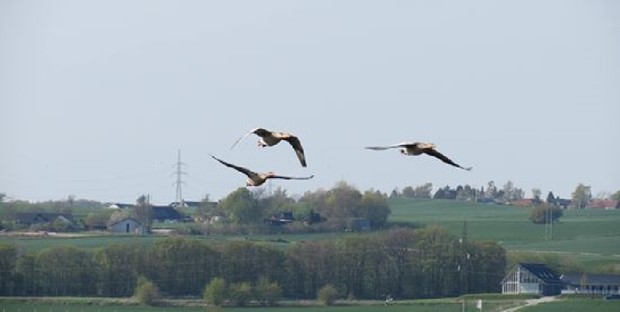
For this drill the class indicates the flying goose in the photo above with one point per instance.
(271, 138)
(417, 148)
(257, 179)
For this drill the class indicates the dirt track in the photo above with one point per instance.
(531, 302)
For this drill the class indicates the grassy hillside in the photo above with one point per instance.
(584, 231)
(585, 239)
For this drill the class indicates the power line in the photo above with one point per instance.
(179, 182)
(548, 224)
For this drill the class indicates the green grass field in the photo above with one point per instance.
(418, 306)
(576, 306)
(587, 238)
(596, 305)
(490, 303)
(82, 308)
(582, 231)
(97, 241)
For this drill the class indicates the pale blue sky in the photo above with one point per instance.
(96, 97)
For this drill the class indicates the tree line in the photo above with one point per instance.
(245, 211)
(402, 263)
(507, 193)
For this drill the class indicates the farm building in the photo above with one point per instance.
(128, 226)
(190, 204)
(166, 214)
(604, 204)
(280, 219)
(532, 278)
(30, 218)
(595, 284)
(121, 206)
(314, 217)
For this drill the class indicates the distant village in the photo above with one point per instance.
(122, 218)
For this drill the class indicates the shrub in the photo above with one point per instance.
(541, 214)
(146, 292)
(215, 291)
(327, 294)
(267, 292)
(241, 293)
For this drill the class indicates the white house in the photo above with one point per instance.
(532, 278)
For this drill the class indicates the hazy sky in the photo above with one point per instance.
(97, 97)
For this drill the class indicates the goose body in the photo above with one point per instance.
(255, 178)
(271, 138)
(418, 148)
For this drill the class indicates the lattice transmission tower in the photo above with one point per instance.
(179, 181)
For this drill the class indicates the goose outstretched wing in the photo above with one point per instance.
(382, 148)
(433, 152)
(299, 150)
(258, 131)
(245, 171)
(275, 176)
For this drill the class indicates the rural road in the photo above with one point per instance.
(531, 302)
